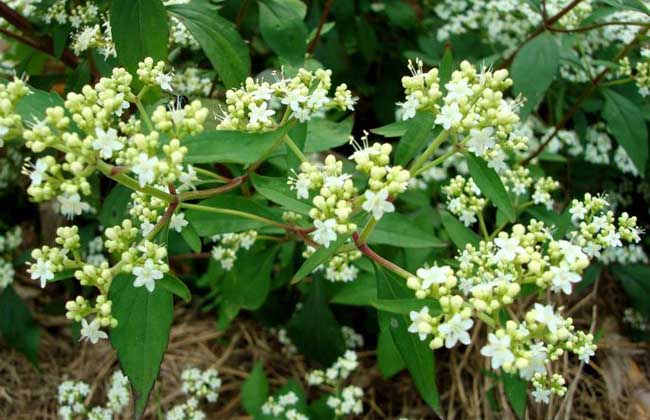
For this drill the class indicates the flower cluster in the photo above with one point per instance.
(71, 396)
(464, 199)
(339, 268)
(10, 122)
(346, 400)
(473, 111)
(253, 106)
(198, 385)
(192, 82)
(490, 277)
(229, 244)
(283, 407)
(636, 320)
(9, 242)
(201, 384)
(519, 180)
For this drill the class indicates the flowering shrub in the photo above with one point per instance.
(175, 166)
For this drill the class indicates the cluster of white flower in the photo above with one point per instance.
(519, 180)
(283, 407)
(71, 396)
(490, 277)
(73, 13)
(473, 112)
(596, 230)
(464, 199)
(179, 35)
(198, 385)
(346, 400)
(630, 254)
(95, 36)
(252, 107)
(229, 244)
(352, 339)
(180, 121)
(192, 82)
(283, 337)
(636, 320)
(339, 268)
(9, 242)
(11, 123)
(337, 195)
(201, 384)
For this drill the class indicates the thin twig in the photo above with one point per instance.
(321, 23)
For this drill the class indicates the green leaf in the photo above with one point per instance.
(417, 355)
(534, 68)
(388, 357)
(516, 390)
(115, 207)
(460, 234)
(32, 106)
(255, 390)
(396, 129)
(175, 286)
(283, 29)
(398, 230)
(321, 255)
(446, 65)
(191, 237)
(230, 146)
(406, 306)
(139, 29)
(141, 336)
(218, 38)
(313, 328)
(625, 121)
(247, 285)
(634, 279)
(17, 327)
(323, 134)
(418, 133)
(490, 185)
(361, 292)
(278, 191)
(208, 224)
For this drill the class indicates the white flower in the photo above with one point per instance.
(434, 275)
(38, 174)
(578, 212)
(42, 270)
(92, 331)
(301, 185)
(572, 253)
(409, 107)
(455, 330)
(106, 142)
(481, 141)
(70, 205)
(144, 168)
(499, 350)
(147, 275)
(178, 222)
(458, 90)
(563, 279)
(420, 323)
(294, 98)
(164, 80)
(324, 233)
(377, 203)
(333, 181)
(536, 361)
(259, 114)
(3, 132)
(541, 395)
(508, 248)
(318, 98)
(585, 353)
(449, 116)
(146, 228)
(545, 315)
(613, 239)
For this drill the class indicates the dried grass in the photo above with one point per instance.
(616, 385)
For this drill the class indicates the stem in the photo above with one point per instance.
(211, 174)
(294, 148)
(143, 112)
(481, 222)
(321, 22)
(436, 161)
(367, 230)
(617, 82)
(485, 318)
(431, 149)
(194, 195)
(365, 250)
(122, 178)
(218, 210)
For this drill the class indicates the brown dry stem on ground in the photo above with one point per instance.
(615, 385)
